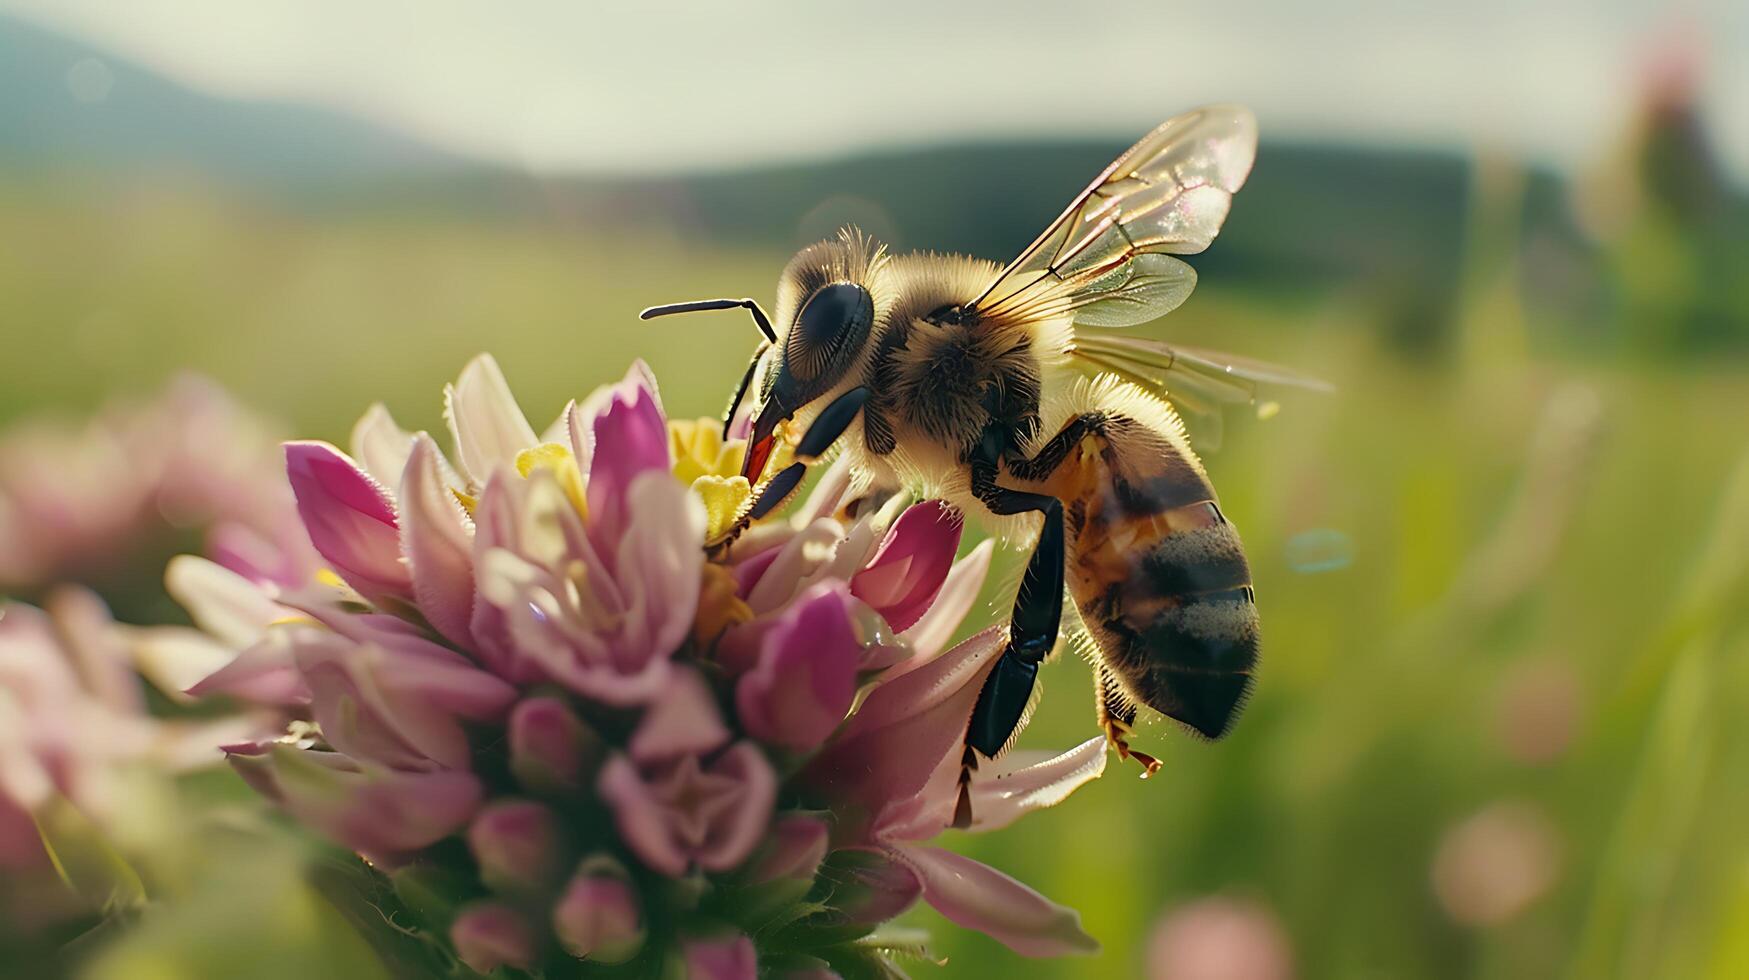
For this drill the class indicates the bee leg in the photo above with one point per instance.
(1117, 717)
(1032, 628)
(821, 434)
(741, 389)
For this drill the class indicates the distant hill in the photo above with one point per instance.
(1388, 224)
(65, 103)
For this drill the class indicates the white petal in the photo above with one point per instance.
(380, 445)
(175, 658)
(1012, 788)
(223, 603)
(489, 427)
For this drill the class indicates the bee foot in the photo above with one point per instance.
(1117, 735)
(1150, 765)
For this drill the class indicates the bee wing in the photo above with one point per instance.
(1199, 383)
(1104, 259)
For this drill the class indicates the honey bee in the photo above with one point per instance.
(980, 384)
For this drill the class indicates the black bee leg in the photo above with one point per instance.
(1117, 718)
(821, 434)
(741, 389)
(1032, 628)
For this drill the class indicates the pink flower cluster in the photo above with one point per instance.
(112, 498)
(524, 674)
(74, 719)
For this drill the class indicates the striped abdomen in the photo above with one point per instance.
(1159, 574)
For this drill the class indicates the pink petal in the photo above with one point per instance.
(641, 819)
(959, 593)
(683, 721)
(439, 547)
(870, 887)
(907, 571)
(798, 844)
(979, 897)
(658, 571)
(383, 814)
(351, 519)
(805, 678)
(550, 747)
(397, 699)
(724, 958)
(907, 728)
(630, 439)
(490, 429)
(280, 556)
(488, 935)
(732, 839)
(263, 673)
(495, 521)
(598, 917)
(517, 845)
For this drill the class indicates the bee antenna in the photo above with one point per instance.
(703, 305)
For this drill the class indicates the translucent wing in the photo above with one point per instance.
(1104, 258)
(1199, 383)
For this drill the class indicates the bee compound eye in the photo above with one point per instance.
(835, 318)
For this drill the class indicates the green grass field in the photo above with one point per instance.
(1514, 576)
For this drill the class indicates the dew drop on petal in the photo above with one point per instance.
(1319, 550)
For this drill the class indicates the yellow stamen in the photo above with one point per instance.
(467, 500)
(723, 497)
(718, 606)
(557, 459)
(699, 449)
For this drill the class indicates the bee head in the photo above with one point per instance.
(826, 310)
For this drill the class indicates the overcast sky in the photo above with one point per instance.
(564, 84)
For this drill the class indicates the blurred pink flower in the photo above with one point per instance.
(598, 917)
(73, 715)
(488, 935)
(1220, 939)
(105, 501)
(1496, 863)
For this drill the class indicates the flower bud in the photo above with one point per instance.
(797, 846)
(871, 888)
(727, 957)
(803, 967)
(904, 576)
(517, 845)
(551, 749)
(488, 935)
(598, 918)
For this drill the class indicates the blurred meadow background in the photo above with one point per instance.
(1503, 571)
